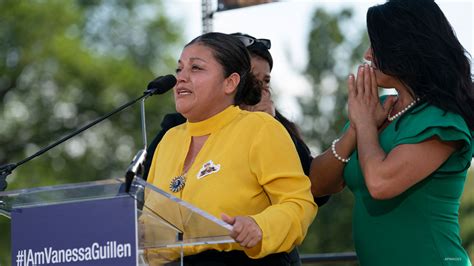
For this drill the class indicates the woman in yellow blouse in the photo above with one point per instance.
(238, 165)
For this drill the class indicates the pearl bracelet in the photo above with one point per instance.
(333, 148)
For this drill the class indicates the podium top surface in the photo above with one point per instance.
(165, 220)
(47, 195)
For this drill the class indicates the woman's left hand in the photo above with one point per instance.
(245, 230)
(364, 103)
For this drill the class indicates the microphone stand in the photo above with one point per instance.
(137, 166)
(7, 169)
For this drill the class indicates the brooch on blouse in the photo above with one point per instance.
(177, 183)
(207, 169)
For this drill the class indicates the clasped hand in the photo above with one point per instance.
(365, 109)
(245, 230)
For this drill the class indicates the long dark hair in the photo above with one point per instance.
(234, 58)
(413, 41)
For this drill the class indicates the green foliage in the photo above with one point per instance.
(466, 215)
(331, 231)
(333, 53)
(66, 63)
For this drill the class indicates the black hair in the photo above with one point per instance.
(259, 50)
(413, 41)
(234, 58)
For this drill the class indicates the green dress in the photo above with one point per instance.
(420, 226)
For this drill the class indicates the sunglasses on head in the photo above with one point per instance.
(248, 41)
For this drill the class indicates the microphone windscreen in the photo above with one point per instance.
(161, 84)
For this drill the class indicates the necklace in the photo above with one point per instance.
(395, 116)
(178, 182)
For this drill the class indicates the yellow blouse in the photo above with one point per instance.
(247, 166)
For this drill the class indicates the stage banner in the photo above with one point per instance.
(223, 5)
(89, 232)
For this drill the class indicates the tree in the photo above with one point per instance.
(466, 215)
(65, 63)
(333, 54)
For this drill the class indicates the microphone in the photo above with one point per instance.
(159, 85)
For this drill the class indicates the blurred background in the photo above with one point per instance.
(65, 63)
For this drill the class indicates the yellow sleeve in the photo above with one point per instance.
(275, 162)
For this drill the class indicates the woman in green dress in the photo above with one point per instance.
(405, 157)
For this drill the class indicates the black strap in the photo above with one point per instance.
(238, 258)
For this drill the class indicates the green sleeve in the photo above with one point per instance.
(428, 121)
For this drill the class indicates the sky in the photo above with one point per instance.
(286, 23)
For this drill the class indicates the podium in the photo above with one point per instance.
(97, 223)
